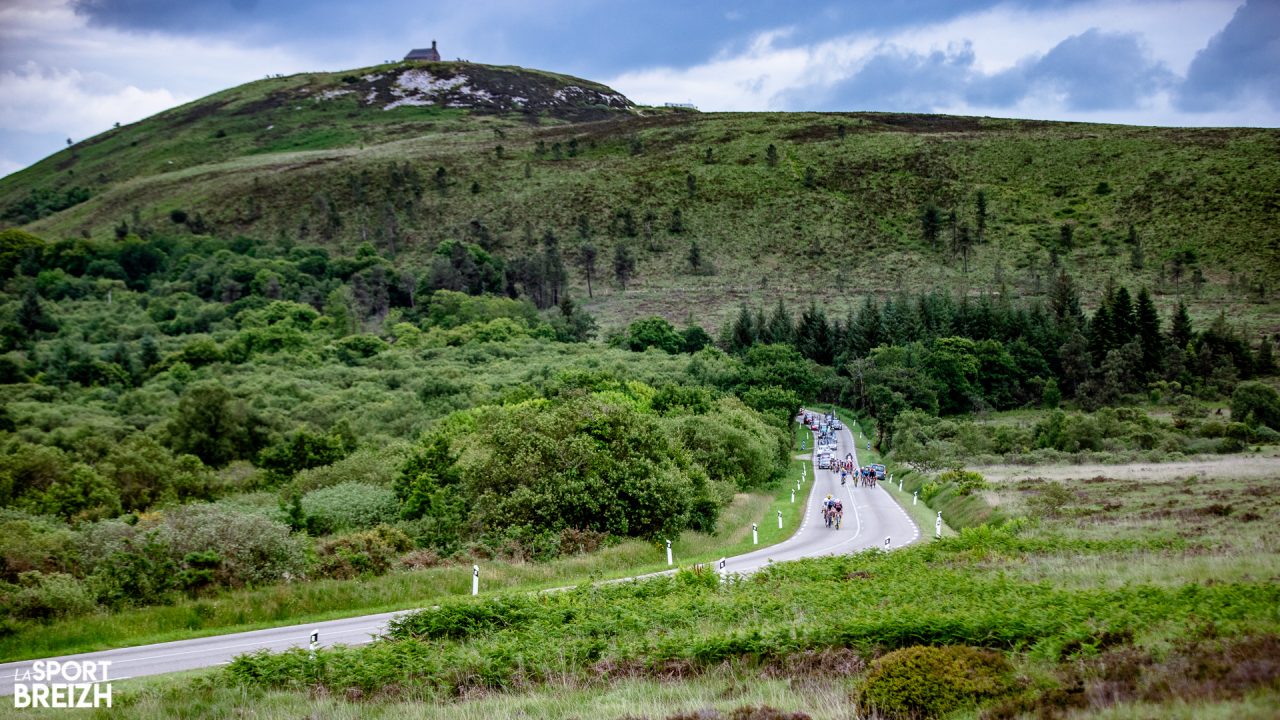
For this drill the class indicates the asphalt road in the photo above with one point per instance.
(871, 519)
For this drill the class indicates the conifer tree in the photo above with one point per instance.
(1149, 335)
(624, 264)
(744, 332)
(1180, 330)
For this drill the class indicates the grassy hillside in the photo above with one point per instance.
(316, 159)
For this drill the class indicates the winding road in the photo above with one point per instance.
(872, 519)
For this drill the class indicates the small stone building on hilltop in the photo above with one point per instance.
(427, 54)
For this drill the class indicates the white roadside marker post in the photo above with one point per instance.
(314, 643)
(886, 542)
(668, 553)
(475, 579)
(793, 496)
(724, 574)
(937, 525)
(915, 496)
(899, 483)
(779, 519)
(755, 536)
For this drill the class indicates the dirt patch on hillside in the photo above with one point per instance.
(1247, 468)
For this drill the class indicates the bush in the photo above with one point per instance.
(348, 506)
(378, 465)
(928, 682)
(40, 596)
(255, 549)
(369, 552)
(1050, 500)
(965, 481)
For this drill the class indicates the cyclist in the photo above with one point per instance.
(837, 511)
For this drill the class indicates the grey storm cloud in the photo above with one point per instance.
(1095, 70)
(893, 78)
(183, 17)
(1242, 60)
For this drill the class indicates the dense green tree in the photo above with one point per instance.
(695, 338)
(813, 336)
(302, 449)
(18, 249)
(31, 315)
(1264, 359)
(215, 426)
(771, 155)
(779, 366)
(953, 363)
(1256, 404)
(656, 332)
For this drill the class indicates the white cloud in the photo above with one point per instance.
(775, 74)
(38, 99)
(58, 74)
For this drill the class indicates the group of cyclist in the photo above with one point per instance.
(863, 476)
(832, 512)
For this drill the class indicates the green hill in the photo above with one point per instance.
(406, 156)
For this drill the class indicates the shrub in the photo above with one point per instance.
(255, 549)
(378, 465)
(1256, 403)
(348, 506)
(1050, 501)
(965, 481)
(28, 542)
(41, 596)
(368, 552)
(927, 682)
(358, 347)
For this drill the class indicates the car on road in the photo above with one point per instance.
(879, 469)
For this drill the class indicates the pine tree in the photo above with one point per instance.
(1180, 330)
(624, 264)
(931, 224)
(1149, 335)
(1064, 300)
(981, 203)
(149, 354)
(691, 184)
(695, 257)
(677, 222)
(771, 155)
(744, 333)
(1066, 236)
(587, 260)
(781, 326)
(1124, 323)
(32, 317)
(1264, 363)
(810, 177)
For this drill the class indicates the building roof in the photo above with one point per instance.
(424, 53)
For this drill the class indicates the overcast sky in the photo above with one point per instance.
(71, 68)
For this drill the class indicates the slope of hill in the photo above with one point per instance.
(501, 156)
